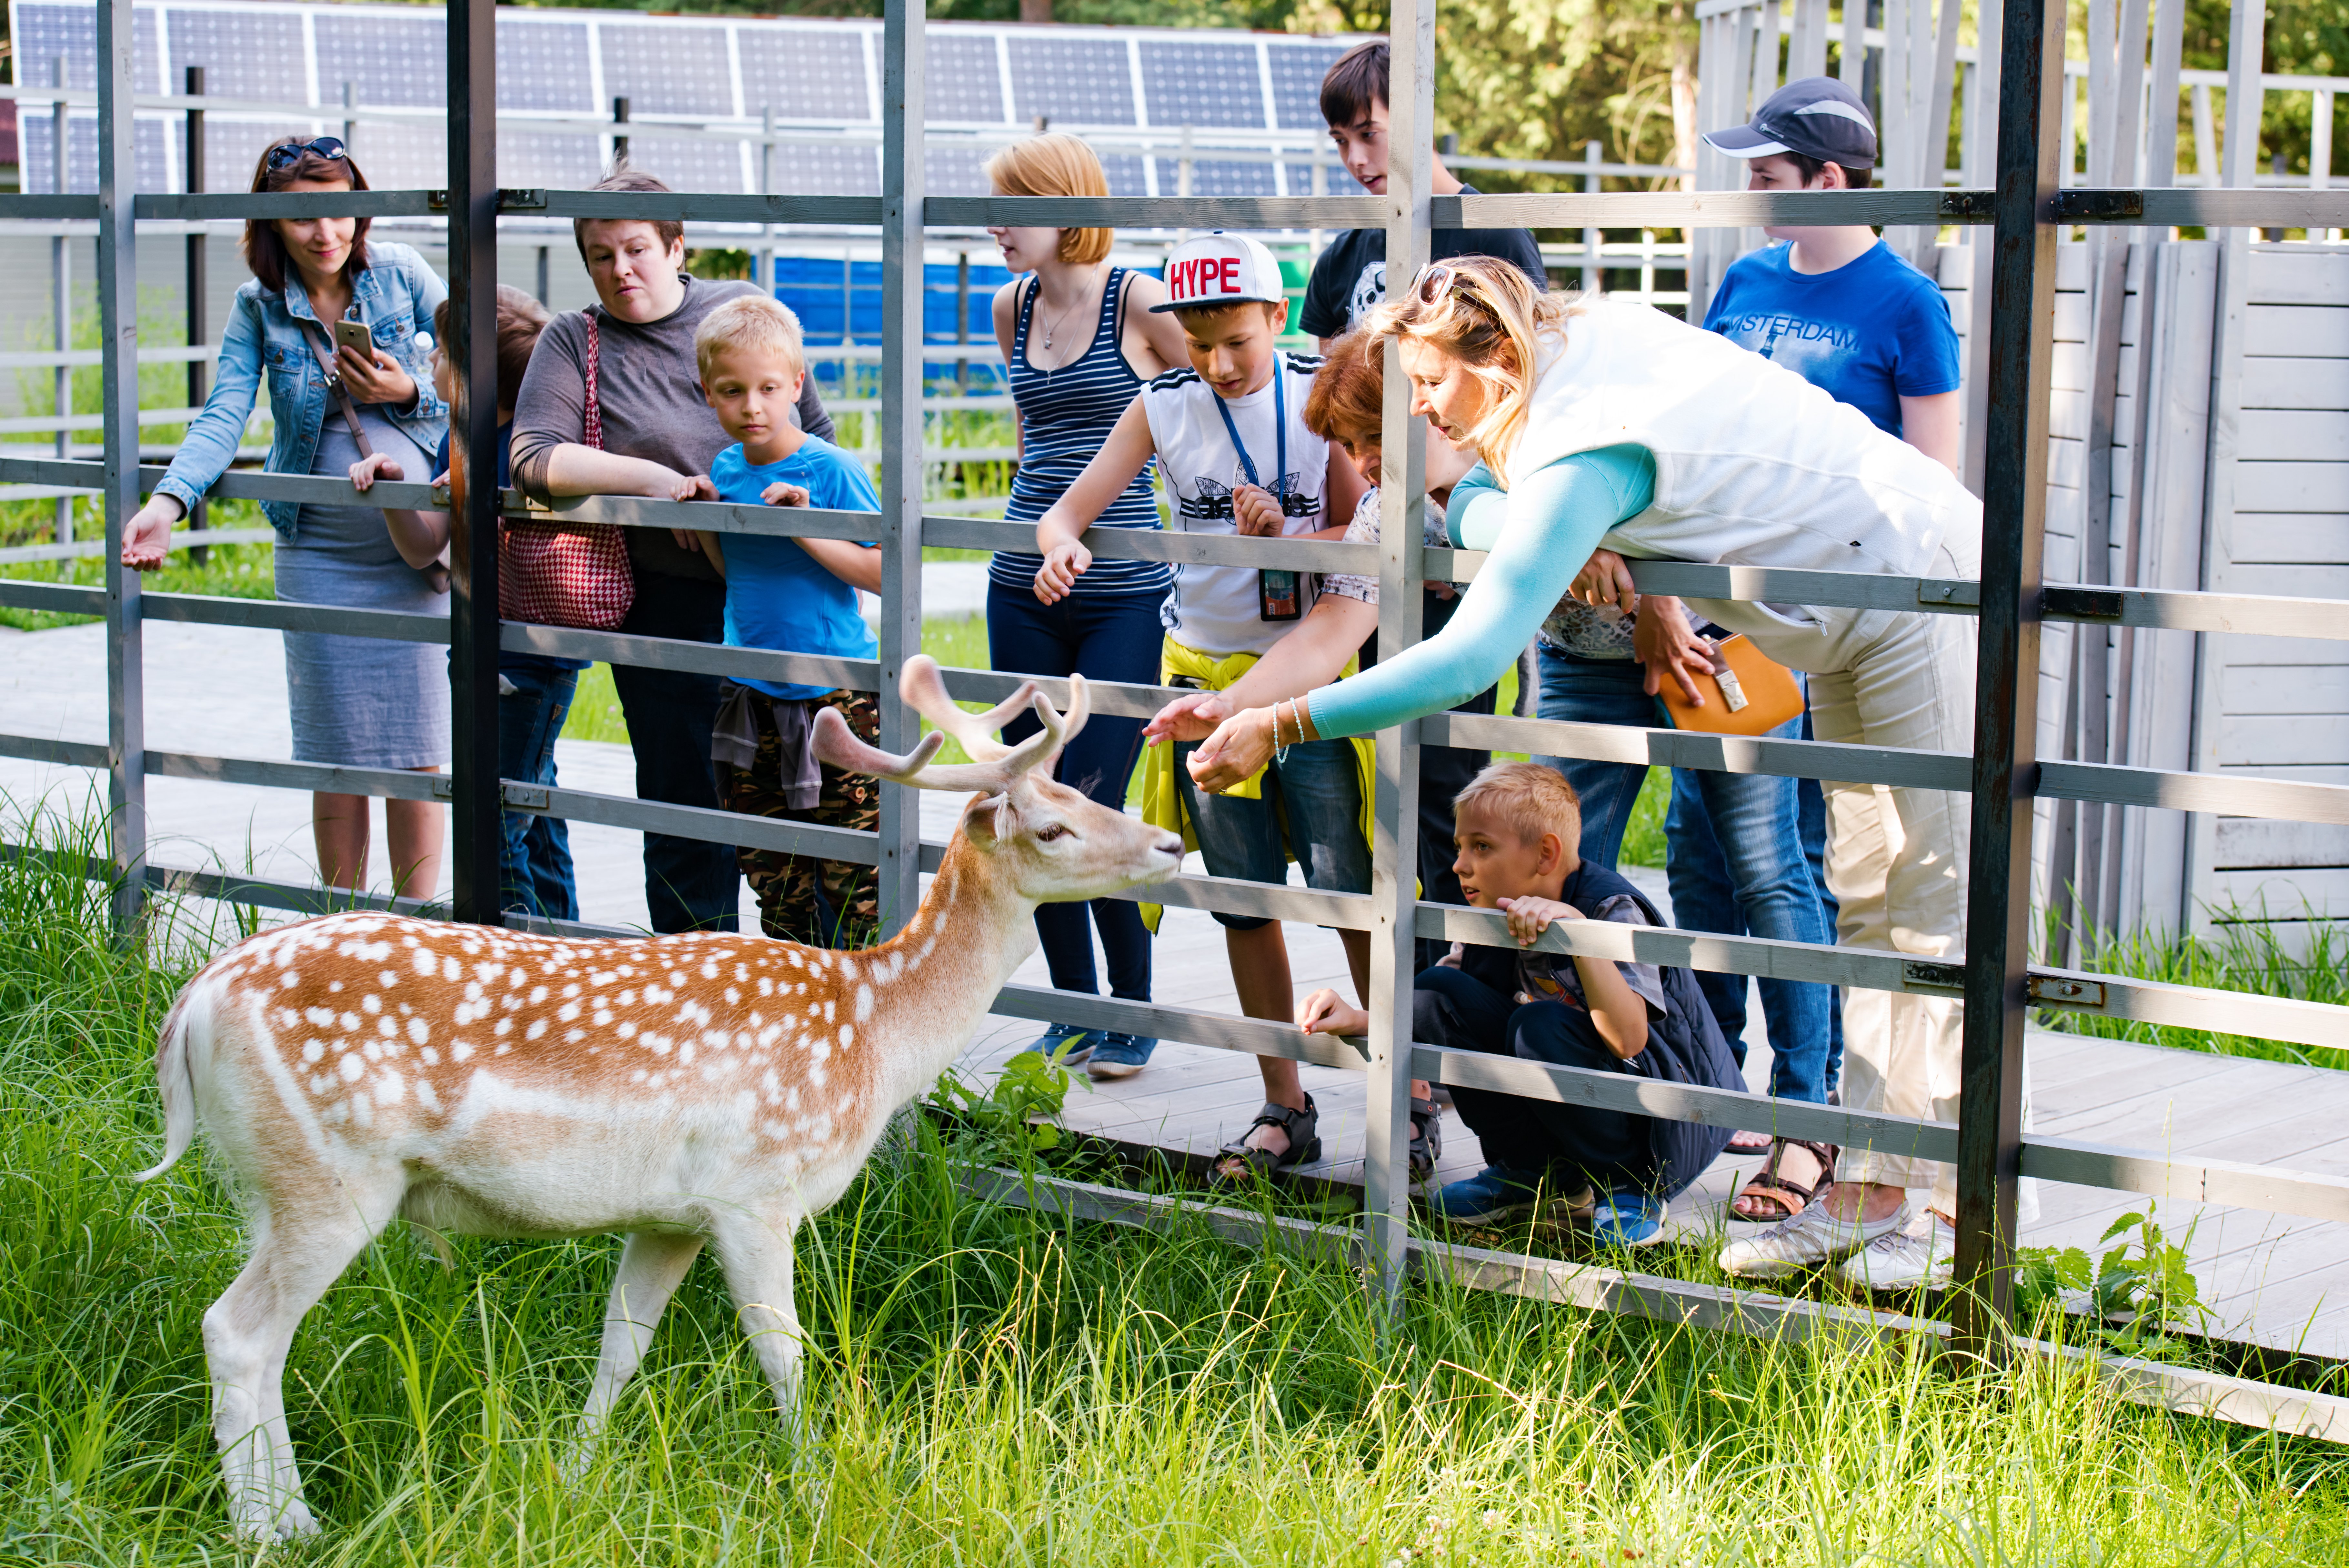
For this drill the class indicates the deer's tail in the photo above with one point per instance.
(174, 1077)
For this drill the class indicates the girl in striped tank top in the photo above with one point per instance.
(1079, 342)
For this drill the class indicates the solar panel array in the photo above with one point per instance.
(817, 75)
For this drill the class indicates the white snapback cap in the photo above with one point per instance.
(1221, 269)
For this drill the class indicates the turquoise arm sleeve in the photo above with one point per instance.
(1545, 528)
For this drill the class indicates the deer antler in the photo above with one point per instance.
(835, 743)
(926, 691)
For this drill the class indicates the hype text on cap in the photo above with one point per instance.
(1221, 269)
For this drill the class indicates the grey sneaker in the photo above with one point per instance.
(1920, 1255)
(1806, 1241)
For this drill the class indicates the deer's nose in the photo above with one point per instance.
(1170, 844)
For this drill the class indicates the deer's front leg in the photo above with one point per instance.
(756, 1257)
(652, 1265)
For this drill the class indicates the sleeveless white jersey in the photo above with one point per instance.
(1754, 466)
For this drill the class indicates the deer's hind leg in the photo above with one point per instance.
(302, 1243)
(757, 1255)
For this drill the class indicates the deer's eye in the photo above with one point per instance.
(1050, 831)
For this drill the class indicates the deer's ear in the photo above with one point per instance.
(989, 818)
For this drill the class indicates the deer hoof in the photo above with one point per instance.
(259, 1523)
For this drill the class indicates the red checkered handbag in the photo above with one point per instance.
(555, 574)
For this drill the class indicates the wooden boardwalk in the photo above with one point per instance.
(2282, 1282)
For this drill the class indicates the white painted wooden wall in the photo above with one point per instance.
(2272, 706)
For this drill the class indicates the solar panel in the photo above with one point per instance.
(828, 170)
(42, 33)
(691, 165)
(554, 63)
(667, 68)
(544, 66)
(245, 54)
(549, 159)
(1126, 176)
(1209, 178)
(805, 73)
(1084, 81)
(966, 81)
(401, 60)
(33, 131)
(1296, 73)
(1202, 84)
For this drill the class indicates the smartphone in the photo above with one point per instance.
(355, 337)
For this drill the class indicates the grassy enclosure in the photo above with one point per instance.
(989, 1387)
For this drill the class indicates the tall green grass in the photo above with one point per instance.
(989, 1386)
(2269, 955)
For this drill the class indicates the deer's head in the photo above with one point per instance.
(1051, 843)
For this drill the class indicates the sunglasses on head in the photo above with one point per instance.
(290, 154)
(1437, 279)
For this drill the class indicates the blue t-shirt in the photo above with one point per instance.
(507, 659)
(777, 595)
(1870, 333)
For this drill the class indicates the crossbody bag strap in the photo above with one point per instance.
(342, 393)
(592, 428)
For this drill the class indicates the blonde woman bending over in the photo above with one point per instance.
(1600, 421)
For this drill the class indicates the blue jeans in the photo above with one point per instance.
(690, 885)
(534, 864)
(1315, 793)
(1102, 637)
(1756, 874)
(1699, 867)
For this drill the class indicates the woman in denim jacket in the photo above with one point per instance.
(356, 702)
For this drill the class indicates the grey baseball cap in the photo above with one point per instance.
(1818, 116)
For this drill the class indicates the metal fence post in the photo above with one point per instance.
(118, 317)
(903, 95)
(619, 143)
(61, 295)
(475, 819)
(1394, 813)
(351, 117)
(1592, 239)
(2022, 321)
(196, 285)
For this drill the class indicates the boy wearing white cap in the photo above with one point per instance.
(1228, 432)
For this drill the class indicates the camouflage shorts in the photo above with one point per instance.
(825, 903)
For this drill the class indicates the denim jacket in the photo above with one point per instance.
(395, 295)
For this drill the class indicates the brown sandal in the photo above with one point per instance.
(1791, 1198)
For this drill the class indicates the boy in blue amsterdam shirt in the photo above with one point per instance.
(1838, 307)
(795, 596)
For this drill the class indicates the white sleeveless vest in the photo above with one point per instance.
(1754, 466)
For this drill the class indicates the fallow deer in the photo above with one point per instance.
(364, 1067)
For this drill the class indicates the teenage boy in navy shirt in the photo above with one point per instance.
(1350, 279)
(796, 596)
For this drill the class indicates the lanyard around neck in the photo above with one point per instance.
(1279, 437)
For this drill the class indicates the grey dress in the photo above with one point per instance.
(361, 702)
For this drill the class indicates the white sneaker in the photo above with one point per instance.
(1920, 1255)
(1806, 1241)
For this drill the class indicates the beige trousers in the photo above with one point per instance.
(1896, 863)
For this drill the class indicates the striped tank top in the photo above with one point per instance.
(1065, 417)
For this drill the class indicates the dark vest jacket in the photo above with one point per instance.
(1685, 1046)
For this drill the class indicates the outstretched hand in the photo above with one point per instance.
(1193, 717)
(1665, 644)
(1237, 751)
